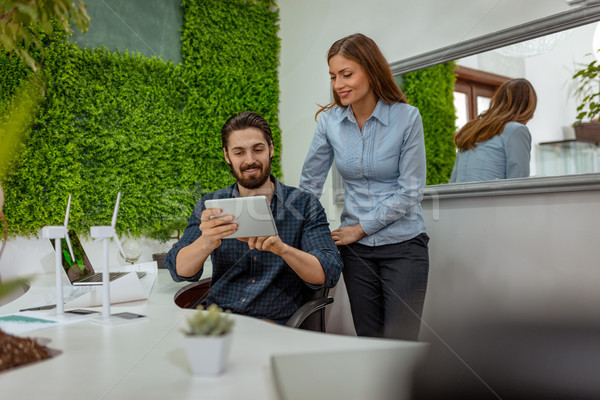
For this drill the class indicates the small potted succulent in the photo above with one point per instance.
(208, 340)
(587, 127)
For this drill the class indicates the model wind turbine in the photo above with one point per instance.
(106, 233)
(58, 233)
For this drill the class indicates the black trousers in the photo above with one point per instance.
(386, 286)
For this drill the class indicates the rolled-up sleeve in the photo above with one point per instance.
(191, 233)
(316, 240)
(318, 161)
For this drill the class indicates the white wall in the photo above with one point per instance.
(551, 74)
(532, 256)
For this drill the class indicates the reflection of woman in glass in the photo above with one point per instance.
(377, 142)
(497, 145)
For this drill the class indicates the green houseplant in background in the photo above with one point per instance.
(208, 339)
(171, 231)
(23, 92)
(173, 226)
(431, 90)
(12, 125)
(17, 17)
(19, 97)
(587, 127)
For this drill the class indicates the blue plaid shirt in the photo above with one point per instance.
(260, 283)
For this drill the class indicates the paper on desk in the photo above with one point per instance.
(151, 270)
(27, 321)
(124, 289)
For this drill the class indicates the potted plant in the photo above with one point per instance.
(170, 231)
(208, 340)
(18, 19)
(588, 90)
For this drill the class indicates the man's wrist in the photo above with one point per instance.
(283, 250)
(205, 245)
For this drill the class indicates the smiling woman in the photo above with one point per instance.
(377, 142)
(351, 84)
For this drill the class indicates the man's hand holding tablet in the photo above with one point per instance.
(215, 226)
(246, 218)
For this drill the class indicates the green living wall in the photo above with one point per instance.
(231, 53)
(114, 121)
(431, 91)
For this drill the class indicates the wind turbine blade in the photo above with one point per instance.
(116, 238)
(70, 246)
(116, 212)
(68, 211)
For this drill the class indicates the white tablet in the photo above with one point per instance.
(252, 214)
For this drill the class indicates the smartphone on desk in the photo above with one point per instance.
(81, 311)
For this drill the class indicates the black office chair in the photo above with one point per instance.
(310, 316)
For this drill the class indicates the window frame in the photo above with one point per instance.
(474, 83)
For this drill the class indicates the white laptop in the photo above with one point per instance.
(80, 270)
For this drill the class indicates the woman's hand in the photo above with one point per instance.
(347, 234)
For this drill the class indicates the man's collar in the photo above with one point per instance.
(234, 190)
(278, 192)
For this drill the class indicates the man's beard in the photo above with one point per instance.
(252, 182)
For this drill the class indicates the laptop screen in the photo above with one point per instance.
(80, 267)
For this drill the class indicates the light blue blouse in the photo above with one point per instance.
(504, 156)
(383, 168)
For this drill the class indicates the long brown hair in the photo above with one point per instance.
(515, 100)
(363, 50)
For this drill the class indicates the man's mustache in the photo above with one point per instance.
(255, 165)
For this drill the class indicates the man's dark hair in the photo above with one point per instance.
(244, 120)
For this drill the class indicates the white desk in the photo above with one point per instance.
(147, 359)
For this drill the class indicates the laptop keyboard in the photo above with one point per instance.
(112, 276)
(72, 292)
(98, 277)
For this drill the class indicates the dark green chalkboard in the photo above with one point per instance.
(149, 27)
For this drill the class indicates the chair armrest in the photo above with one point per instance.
(194, 294)
(307, 309)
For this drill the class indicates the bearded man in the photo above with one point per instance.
(263, 277)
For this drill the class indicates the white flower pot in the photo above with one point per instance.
(208, 355)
